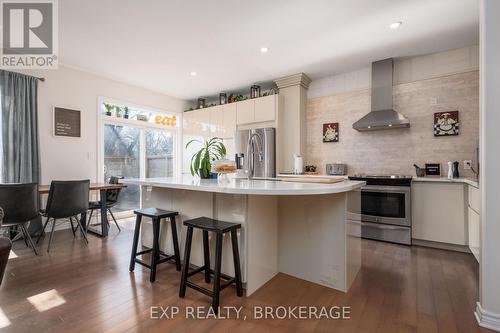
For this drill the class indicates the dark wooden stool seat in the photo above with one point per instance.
(156, 256)
(220, 228)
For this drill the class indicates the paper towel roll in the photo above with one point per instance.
(298, 164)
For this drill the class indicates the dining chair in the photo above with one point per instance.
(111, 201)
(20, 206)
(5, 246)
(67, 199)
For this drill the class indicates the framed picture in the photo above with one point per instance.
(331, 132)
(446, 123)
(433, 169)
(67, 122)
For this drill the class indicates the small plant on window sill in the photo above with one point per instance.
(125, 112)
(201, 161)
(108, 108)
(118, 111)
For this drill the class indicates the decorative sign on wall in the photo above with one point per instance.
(446, 123)
(67, 122)
(165, 120)
(433, 169)
(331, 132)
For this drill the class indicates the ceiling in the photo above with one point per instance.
(156, 44)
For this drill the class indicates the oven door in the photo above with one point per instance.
(386, 204)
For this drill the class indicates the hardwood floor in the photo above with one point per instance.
(80, 288)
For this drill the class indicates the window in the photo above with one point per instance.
(132, 148)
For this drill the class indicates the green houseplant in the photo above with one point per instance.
(125, 112)
(108, 108)
(201, 161)
(118, 111)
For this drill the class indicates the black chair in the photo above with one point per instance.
(219, 228)
(67, 199)
(111, 201)
(5, 246)
(20, 205)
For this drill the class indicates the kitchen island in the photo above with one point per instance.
(310, 231)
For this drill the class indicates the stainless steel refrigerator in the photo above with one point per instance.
(255, 149)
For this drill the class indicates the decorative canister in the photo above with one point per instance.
(201, 103)
(222, 98)
(254, 91)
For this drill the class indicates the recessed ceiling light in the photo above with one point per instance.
(395, 25)
(264, 50)
(193, 73)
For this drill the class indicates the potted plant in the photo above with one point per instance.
(201, 161)
(108, 108)
(118, 111)
(125, 112)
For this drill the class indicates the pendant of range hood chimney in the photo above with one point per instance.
(382, 115)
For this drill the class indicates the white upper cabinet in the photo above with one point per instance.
(245, 112)
(229, 120)
(216, 120)
(265, 108)
(256, 110)
(197, 123)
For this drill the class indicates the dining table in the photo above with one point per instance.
(102, 188)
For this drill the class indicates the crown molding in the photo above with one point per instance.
(293, 80)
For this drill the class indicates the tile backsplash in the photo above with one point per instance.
(396, 150)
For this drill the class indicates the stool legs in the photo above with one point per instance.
(185, 267)
(135, 242)
(173, 227)
(217, 268)
(206, 255)
(236, 259)
(155, 254)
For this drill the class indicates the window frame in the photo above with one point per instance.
(103, 120)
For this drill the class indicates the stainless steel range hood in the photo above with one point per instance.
(382, 115)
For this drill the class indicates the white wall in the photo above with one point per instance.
(488, 310)
(406, 70)
(76, 158)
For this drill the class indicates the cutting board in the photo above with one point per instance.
(312, 180)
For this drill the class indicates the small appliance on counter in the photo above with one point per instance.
(336, 169)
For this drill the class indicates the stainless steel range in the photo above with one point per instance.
(386, 207)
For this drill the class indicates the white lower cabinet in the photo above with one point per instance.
(474, 209)
(438, 212)
(474, 231)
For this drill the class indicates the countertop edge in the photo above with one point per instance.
(447, 180)
(318, 190)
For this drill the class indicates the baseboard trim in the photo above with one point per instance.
(487, 319)
(442, 246)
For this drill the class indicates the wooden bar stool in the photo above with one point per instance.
(220, 228)
(156, 256)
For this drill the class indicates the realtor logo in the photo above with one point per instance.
(29, 34)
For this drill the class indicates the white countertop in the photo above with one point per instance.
(474, 183)
(244, 186)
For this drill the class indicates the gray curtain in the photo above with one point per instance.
(19, 120)
(21, 160)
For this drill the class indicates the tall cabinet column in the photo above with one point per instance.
(291, 119)
(488, 307)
